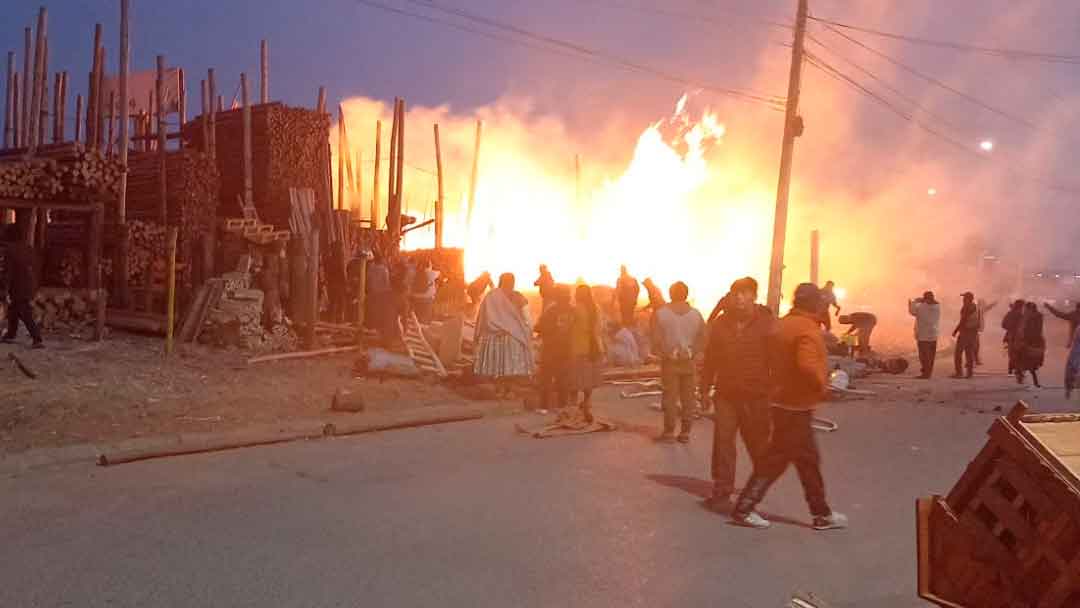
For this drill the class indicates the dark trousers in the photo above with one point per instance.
(966, 352)
(551, 379)
(927, 354)
(751, 419)
(792, 443)
(20, 309)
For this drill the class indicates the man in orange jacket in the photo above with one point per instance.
(798, 359)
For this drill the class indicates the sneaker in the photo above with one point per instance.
(833, 521)
(752, 519)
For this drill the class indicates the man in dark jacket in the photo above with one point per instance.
(626, 295)
(737, 367)
(967, 337)
(19, 265)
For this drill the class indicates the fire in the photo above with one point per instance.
(669, 213)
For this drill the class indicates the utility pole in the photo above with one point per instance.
(793, 127)
(815, 256)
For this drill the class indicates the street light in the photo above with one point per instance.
(931, 192)
(986, 145)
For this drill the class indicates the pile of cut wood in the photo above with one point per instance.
(66, 310)
(68, 173)
(235, 321)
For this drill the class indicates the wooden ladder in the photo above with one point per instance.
(419, 349)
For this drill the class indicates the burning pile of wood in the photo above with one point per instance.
(68, 310)
(69, 173)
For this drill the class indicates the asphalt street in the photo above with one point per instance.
(473, 514)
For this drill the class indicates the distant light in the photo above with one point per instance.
(840, 293)
(932, 192)
(986, 145)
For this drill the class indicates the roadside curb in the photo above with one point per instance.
(146, 448)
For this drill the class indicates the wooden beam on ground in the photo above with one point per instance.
(305, 354)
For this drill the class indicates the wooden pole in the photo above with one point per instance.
(220, 103)
(61, 110)
(361, 300)
(78, 118)
(391, 181)
(342, 153)
(125, 135)
(171, 289)
(97, 226)
(475, 176)
(320, 105)
(312, 287)
(9, 93)
(204, 118)
(92, 98)
(249, 195)
(43, 118)
(211, 92)
(16, 113)
(39, 74)
(359, 183)
(24, 105)
(792, 129)
(375, 215)
(182, 85)
(815, 252)
(264, 72)
(112, 121)
(393, 213)
(99, 103)
(439, 202)
(162, 170)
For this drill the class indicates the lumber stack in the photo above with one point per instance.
(69, 174)
(66, 310)
(1008, 533)
(289, 150)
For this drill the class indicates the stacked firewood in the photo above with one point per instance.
(66, 310)
(77, 176)
(146, 252)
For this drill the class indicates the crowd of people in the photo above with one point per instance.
(763, 376)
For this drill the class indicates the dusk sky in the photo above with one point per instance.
(852, 145)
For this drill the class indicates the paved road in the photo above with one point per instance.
(474, 515)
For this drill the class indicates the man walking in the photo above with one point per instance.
(967, 337)
(737, 366)
(798, 361)
(19, 263)
(927, 313)
(679, 334)
(828, 302)
(626, 296)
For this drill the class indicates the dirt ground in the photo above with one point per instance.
(123, 388)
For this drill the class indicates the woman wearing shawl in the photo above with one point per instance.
(503, 336)
(586, 348)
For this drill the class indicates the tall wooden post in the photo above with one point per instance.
(99, 103)
(376, 220)
(264, 72)
(39, 74)
(391, 181)
(170, 305)
(249, 194)
(439, 202)
(78, 118)
(27, 77)
(341, 158)
(393, 219)
(320, 105)
(204, 118)
(9, 102)
(359, 183)
(475, 176)
(312, 287)
(211, 91)
(58, 114)
(182, 84)
(92, 98)
(97, 225)
(815, 252)
(125, 133)
(110, 139)
(792, 129)
(16, 112)
(159, 94)
(43, 114)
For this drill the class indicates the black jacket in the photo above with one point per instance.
(737, 358)
(19, 271)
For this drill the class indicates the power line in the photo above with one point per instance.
(835, 73)
(773, 101)
(956, 46)
(934, 81)
(699, 18)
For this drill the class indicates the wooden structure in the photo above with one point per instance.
(1008, 534)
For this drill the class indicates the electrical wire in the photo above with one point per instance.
(549, 43)
(956, 46)
(698, 18)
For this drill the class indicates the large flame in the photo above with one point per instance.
(668, 214)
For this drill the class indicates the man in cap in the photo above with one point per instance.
(927, 313)
(798, 362)
(737, 366)
(967, 337)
